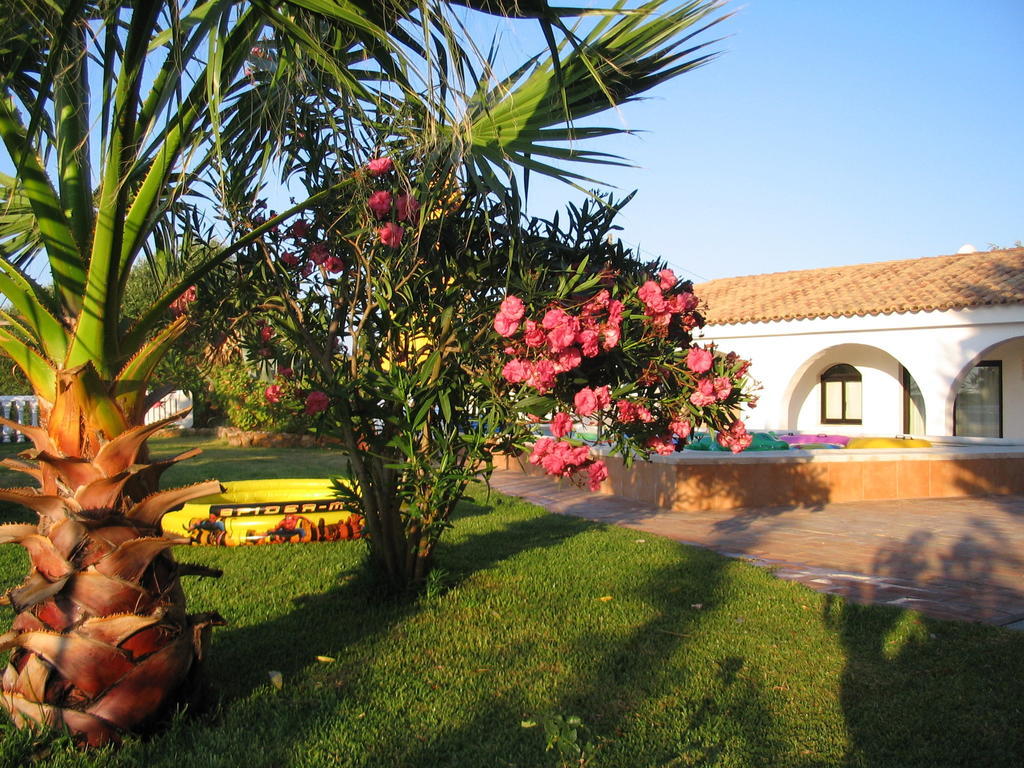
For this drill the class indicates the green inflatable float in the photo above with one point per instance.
(762, 441)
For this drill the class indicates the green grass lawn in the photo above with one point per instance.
(670, 655)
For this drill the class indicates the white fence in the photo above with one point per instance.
(20, 408)
(25, 410)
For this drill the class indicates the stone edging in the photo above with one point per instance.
(241, 438)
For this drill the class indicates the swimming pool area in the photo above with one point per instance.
(798, 477)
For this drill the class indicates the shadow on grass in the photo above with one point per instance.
(900, 712)
(626, 690)
(360, 607)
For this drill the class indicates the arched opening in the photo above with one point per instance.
(885, 387)
(841, 395)
(986, 396)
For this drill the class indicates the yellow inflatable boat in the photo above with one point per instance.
(266, 512)
(887, 442)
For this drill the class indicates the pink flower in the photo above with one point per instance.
(505, 325)
(597, 472)
(578, 455)
(723, 387)
(614, 312)
(318, 254)
(515, 371)
(563, 334)
(533, 334)
(667, 279)
(541, 448)
(736, 437)
(588, 342)
(299, 228)
(285, 373)
(604, 398)
(610, 337)
(684, 302)
(391, 234)
(408, 207)
(626, 411)
(704, 394)
(513, 307)
(553, 464)
(180, 305)
(561, 424)
(681, 427)
(272, 393)
(307, 268)
(660, 318)
(266, 333)
(554, 318)
(568, 359)
(643, 414)
(334, 265)
(698, 360)
(542, 376)
(585, 401)
(289, 259)
(598, 302)
(380, 203)
(380, 165)
(316, 401)
(650, 294)
(663, 446)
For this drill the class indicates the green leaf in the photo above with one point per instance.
(32, 312)
(36, 368)
(66, 262)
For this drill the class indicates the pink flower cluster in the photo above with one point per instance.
(659, 308)
(180, 305)
(711, 389)
(381, 203)
(563, 459)
(735, 438)
(317, 253)
(316, 402)
(559, 341)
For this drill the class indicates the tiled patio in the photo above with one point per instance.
(957, 558)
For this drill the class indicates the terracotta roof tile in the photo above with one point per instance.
(914, 285)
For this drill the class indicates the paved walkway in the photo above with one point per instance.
(948, 558)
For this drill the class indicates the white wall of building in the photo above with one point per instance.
(938, 348)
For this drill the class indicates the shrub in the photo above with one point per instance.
(251, 402)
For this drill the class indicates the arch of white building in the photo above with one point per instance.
(882, 390)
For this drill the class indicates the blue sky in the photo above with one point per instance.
(829, 133)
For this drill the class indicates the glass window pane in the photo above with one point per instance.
(979, 403)
(914, 417)
(853, 396)
(833, 399)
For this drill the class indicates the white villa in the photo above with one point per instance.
(927, 347)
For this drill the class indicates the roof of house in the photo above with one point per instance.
(937, 283)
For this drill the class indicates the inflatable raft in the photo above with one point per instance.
(888, 442)
(761, 441)
(266, 512)
(817, 441)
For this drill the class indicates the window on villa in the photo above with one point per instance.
(841, 395)
(978, 409)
